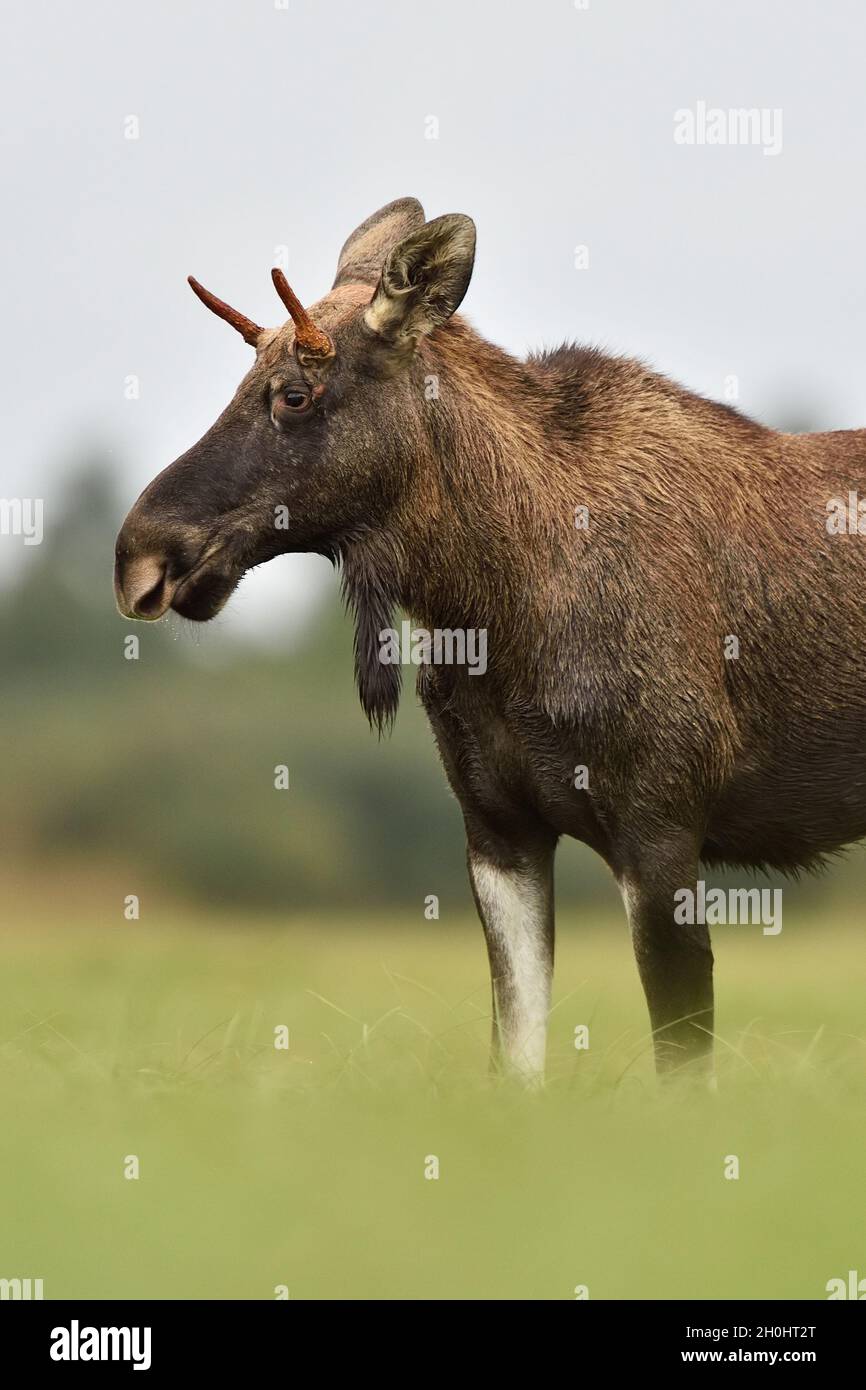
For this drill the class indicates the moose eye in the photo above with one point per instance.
(291, 401)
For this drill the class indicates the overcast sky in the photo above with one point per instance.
(262, 126)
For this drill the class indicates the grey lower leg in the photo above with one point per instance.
(515, 904)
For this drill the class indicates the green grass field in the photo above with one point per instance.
(262, 1167)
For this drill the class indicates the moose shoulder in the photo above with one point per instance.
(670, 602)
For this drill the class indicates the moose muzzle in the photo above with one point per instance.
(160, 565)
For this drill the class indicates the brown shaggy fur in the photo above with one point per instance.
(606, 645)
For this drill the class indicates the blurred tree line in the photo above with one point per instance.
(161, 770)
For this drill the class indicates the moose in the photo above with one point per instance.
(616, 536)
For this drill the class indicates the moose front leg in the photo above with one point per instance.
(674, 960)
(514, 898)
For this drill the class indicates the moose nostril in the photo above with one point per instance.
(142, 587)
(146, 605)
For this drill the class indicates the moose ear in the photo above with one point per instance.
(364, 252)
(423, 280)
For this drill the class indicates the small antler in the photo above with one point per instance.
(248, 330)
(312, 340)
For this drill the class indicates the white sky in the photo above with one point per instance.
(262, 126)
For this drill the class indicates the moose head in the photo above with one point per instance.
(317, 443)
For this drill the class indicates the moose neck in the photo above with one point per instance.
(464, 545)
(474, 502)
